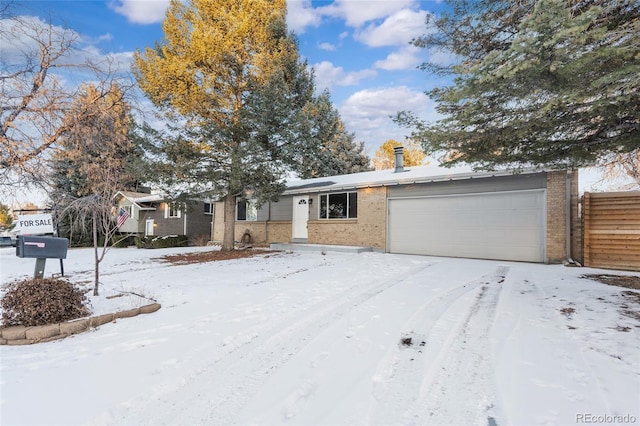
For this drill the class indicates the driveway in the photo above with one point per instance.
(335, 338)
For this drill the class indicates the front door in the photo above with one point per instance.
(148, 227)
(300, 217)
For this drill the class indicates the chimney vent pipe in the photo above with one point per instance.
(399, 154)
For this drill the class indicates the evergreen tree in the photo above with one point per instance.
(228, 76)
(339, 153)
(545, 82)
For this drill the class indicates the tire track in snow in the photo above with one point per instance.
(405, 367)
(453, 375)
(226, 383)
(542, 319)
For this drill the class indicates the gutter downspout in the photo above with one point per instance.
(185, 223)
(266, 223)
(213, 218)
(567, 227)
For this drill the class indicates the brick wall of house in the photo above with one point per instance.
(369, 229)
(218, 222)
(556, 216)
(279, 231)
(262, 232)
(257, 230)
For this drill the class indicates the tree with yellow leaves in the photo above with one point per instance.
(385, 159)
(228, 70)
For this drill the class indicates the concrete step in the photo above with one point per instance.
(318, 247)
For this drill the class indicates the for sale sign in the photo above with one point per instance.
(35, 224)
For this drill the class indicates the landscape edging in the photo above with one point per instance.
(24, 335)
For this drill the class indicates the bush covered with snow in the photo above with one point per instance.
(40, 301)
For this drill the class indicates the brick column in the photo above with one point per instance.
(556, 216)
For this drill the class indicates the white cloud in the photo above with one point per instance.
(403, 59)
(368, 113)
(300, 15)
(141, 11)
(326, 46)
(328, 75)
(105, 37)
(398, 29)
(357, 13)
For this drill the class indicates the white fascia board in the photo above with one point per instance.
(387, 179)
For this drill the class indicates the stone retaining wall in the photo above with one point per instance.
(23, 335)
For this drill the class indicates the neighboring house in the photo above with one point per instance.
(489, 215)
(152, 215)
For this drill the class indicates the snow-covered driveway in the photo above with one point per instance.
(311, 338)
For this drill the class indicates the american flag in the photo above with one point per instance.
(122, 217)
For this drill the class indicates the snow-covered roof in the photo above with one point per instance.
(140, 197)
(419, 174)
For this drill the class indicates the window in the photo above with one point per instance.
(343, 205)
(172, 210)
(208, 208)
(247, 210)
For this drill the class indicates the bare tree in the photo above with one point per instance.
(99, 211)
(40, 66)
(619, 167)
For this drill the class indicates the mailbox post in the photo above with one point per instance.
(41, 248)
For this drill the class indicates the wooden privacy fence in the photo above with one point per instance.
(612, 230)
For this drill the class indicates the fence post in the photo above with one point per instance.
(585, 231)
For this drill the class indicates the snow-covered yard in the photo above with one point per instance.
(311, 338)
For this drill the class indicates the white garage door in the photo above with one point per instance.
(499, 225)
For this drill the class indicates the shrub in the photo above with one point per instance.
(120, 241)
(40, 301)
(161, 242)
(142, 242)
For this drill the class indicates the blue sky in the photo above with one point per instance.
(359, 49)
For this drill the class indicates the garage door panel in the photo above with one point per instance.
(506, 226)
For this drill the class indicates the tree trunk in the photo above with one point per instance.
(229, 222)
(96, 272)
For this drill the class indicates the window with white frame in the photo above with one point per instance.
(341, 205)
(172, 210)
(247, 210)
(208, 208)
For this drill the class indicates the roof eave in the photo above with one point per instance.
(412, 181)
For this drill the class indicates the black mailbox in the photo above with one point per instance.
(42, 247)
